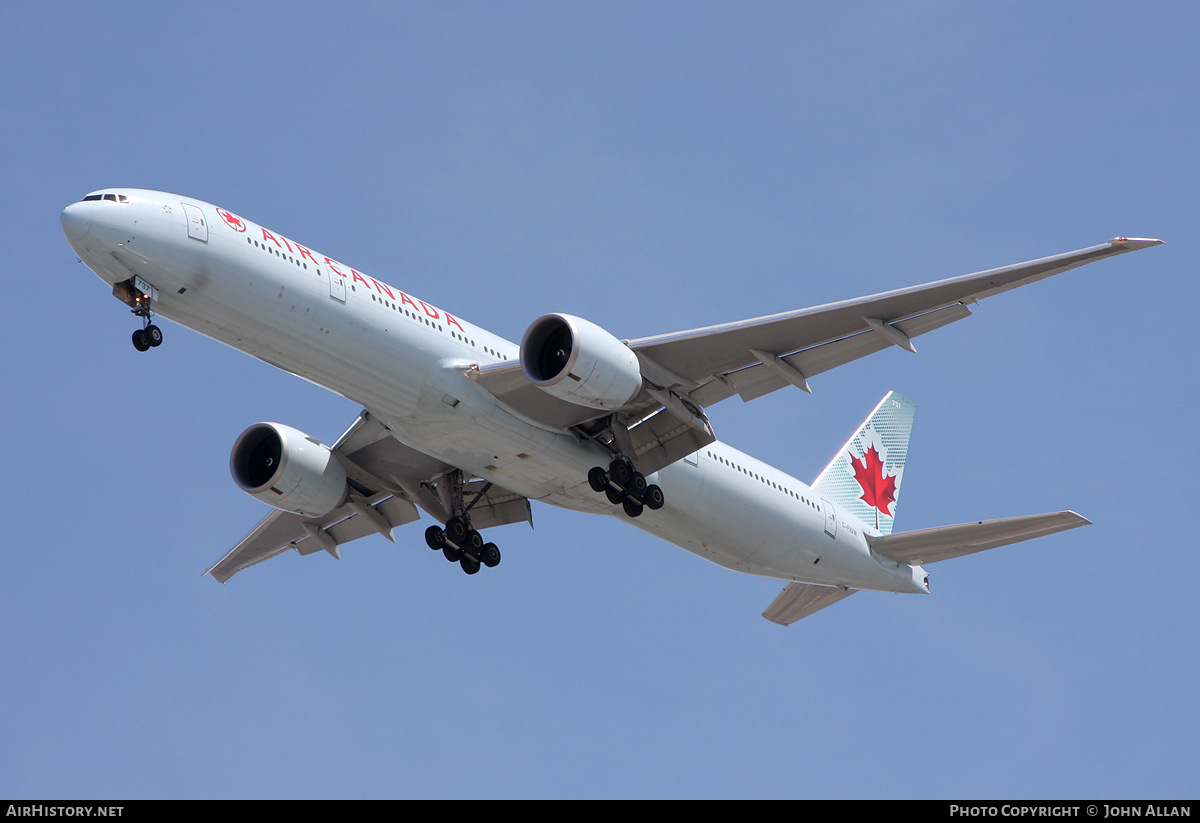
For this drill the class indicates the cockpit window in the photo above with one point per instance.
(115, 198)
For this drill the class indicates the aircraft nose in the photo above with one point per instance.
(77, 221)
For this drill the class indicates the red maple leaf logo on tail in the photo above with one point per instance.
(879, 491)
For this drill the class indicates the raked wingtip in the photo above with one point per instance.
(1133, 243)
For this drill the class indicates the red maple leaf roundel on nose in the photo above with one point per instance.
(879, 490)
(232, 220)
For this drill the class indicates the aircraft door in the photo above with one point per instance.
(830, 518)
(337, 285)
(197, 225)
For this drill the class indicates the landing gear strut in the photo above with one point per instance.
(149, 336)
(459, 542)
(626, 487)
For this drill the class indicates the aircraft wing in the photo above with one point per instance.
(388, 481)
(758, 356)
(946, 542)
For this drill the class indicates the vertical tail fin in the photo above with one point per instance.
(864, 476)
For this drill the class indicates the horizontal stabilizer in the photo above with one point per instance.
(799, 600)
(946, 542)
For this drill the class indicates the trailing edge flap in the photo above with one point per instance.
(799, 600)
(946, 542)
(382, 473)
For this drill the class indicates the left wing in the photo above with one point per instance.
(686, 371)
(386, 479)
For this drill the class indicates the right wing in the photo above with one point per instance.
(686, 371)
(388, 481)
(754, 357)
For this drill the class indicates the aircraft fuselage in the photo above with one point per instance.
(408, 361)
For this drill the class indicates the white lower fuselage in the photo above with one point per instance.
(406, 360)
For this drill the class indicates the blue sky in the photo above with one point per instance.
(652, 167)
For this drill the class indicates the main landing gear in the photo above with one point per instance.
(626, 487)
(463, 545)
(458, 541)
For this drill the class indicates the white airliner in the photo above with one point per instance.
(470, 427)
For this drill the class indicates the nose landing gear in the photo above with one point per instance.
(147, 338)
(138, 295)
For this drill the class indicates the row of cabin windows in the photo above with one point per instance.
(389, 304)
(421, 319)
(762, 479)
(289, 258)
(410, 314)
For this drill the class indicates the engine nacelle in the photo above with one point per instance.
(288, 469)
(580, 362)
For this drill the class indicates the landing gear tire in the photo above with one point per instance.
(637, 485)
(490, 555)
(435, 538)
(620, 471)
(632, 507)
(653, 498)
(139, 340)
(598, 479)
(469, 564)
(615, 497)
(452, 554)
(473, 544)
(154, 335)
(456, 531)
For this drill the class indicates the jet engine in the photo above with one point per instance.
(580, 362)
(288, 469)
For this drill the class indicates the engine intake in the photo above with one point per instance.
(288, 469)
(579, 362)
